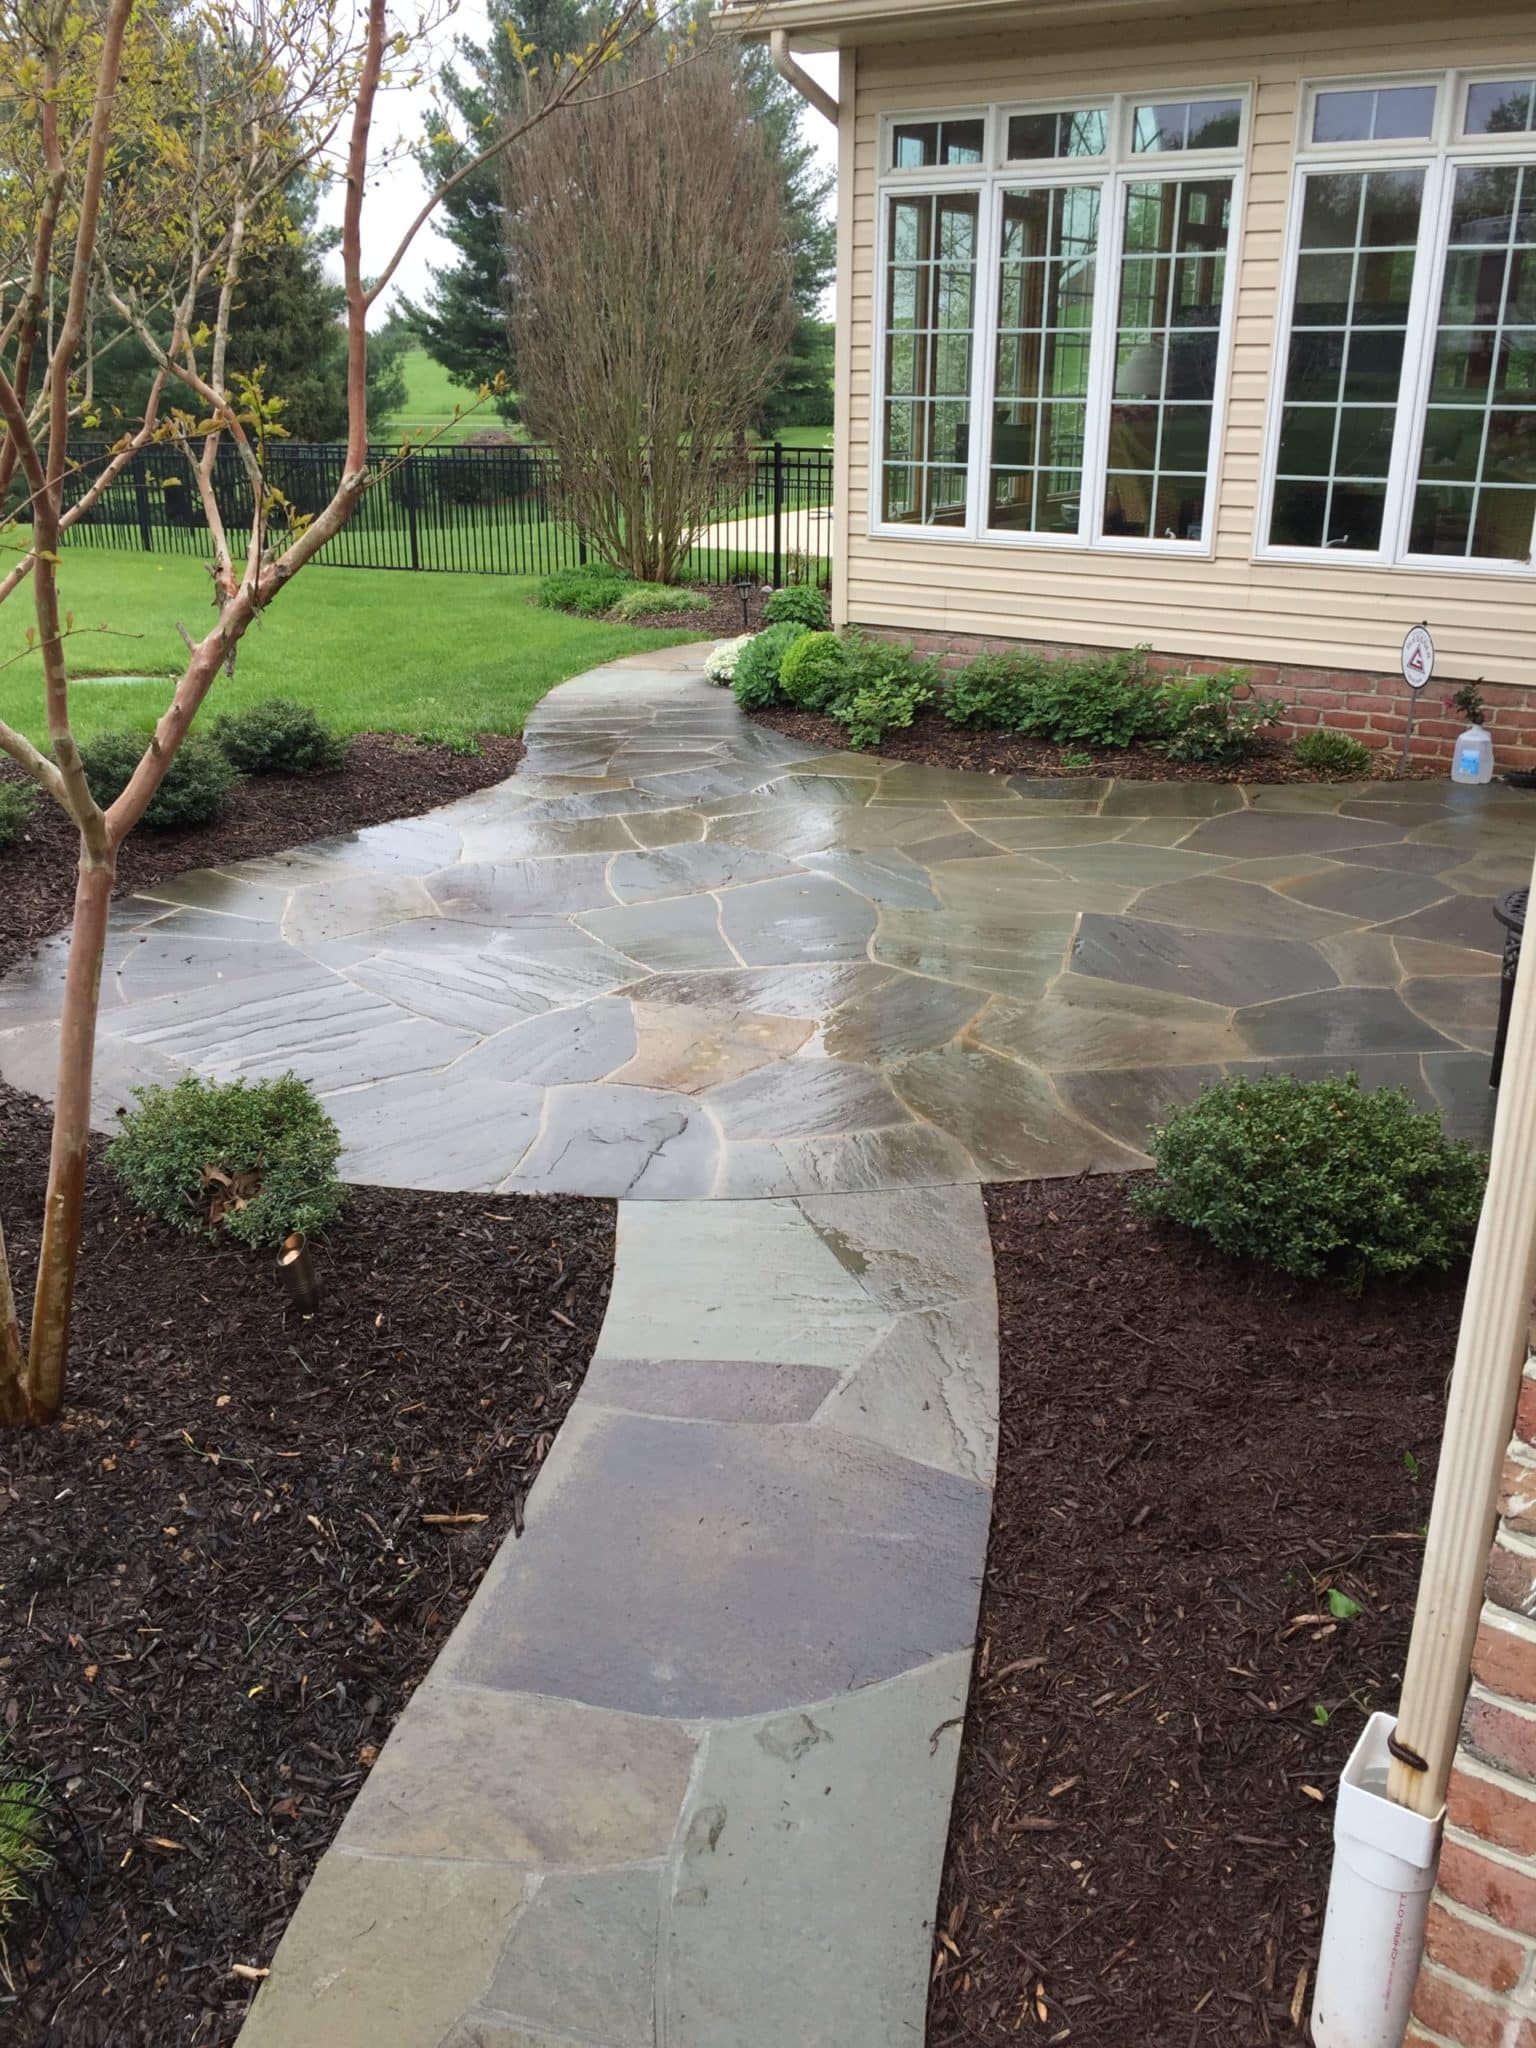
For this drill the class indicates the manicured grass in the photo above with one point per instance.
(803, 437)
(430, 397)
(372, 650)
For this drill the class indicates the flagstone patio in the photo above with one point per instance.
(682, 1775)
(674, 958)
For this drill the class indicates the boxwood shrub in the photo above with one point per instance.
(1319, 1179)
(1326, 752)
(251, 1160)
(815, 671)
(278, 737)
(193, 791)
(756, 680)
(16, 801)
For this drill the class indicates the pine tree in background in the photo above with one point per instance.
(289, 319)
(463, 322)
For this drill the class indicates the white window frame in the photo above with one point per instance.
(1118, 167)
(1441, 153)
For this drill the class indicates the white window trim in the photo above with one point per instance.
(1442, 153)
(1118, 167)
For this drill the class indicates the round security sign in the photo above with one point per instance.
(1418, 657)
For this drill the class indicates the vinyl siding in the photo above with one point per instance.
(1329, 614)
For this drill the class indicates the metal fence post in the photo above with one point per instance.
(141, 501)
(778, 512)
(410, 510)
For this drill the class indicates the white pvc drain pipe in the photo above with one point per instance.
(1378, 1900)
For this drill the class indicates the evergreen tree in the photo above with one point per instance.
(463, 324)
(289, 318)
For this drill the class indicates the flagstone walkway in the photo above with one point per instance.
(681, 1778)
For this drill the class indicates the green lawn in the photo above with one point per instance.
(373, 650)
(430, 397)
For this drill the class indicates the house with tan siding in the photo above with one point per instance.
(1209, 328)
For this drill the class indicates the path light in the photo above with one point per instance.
(1392, 1798)
(744, 592)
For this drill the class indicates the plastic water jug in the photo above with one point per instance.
(1472, 758)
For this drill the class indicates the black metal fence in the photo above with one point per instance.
(492, 511)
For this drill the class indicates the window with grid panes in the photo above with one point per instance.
(1407, 427)
(1073, 296)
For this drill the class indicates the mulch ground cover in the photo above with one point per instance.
(932, 740)
(723, 619)
(385, 776)
(1194, 1456)
(223, 1573)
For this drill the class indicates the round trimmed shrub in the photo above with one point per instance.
(16, 801)
(278, 737)
(756, 680)
(799, 603)
(641, 600)
(1319, 1179)
(252, 1160)
(815, 671)
(193, 791)
(1326, 752)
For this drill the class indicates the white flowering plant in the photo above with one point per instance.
(720, 662)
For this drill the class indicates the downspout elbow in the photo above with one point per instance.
(796, 75)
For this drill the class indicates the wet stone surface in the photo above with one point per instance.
(930, 932)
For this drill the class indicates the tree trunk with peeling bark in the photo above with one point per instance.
(267, 85)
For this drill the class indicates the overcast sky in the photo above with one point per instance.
(396, 189)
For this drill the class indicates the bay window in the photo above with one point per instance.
(1404, 427)
(1054, 316)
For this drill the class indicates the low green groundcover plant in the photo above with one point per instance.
(993, 691)
(16, 802)
(279, 736)
(645, 600)
(587, 591)
(800, 604)
(756, 677)
(24, 1845)
(815, 671)
(194, 790)
(1326, 752)
(1216, 720)
(1319, 1179)
(251, 1160)
(887, 686)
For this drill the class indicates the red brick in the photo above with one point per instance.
(1461, 2015)
(1500, 1894)
(1501, 1736)
(1494, 1809)
(1505, 1663)
(1483, 1955)
(1525, 1411)
(1517, 1496)
(1511, 1577)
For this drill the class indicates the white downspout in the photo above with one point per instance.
(796, 75)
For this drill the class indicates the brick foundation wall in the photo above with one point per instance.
(1477, 1986)
(1369, 705)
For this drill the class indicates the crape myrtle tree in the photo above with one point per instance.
(146, 152)
(651, 278)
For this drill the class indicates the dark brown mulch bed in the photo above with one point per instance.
(723, 619)
(220, 1576)
(385, 776)
(1192, 1456)
(932, 740)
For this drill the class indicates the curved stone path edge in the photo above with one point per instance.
(682, 1775)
